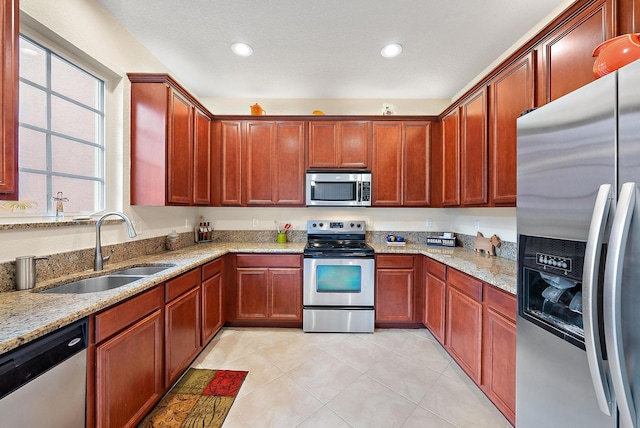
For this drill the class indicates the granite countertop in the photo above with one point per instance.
(27, 315)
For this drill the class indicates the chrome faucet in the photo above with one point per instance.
(99, 260)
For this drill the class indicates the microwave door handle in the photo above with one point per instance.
(612, 304)
(360, 189)
(590, 301)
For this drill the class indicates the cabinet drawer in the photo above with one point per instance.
(388, 261)
(177, 286)
(435, 268)
(124, 314)
(501, 302)
(466, 284)
(271, 260)
(212, 268)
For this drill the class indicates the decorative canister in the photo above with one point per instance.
(173, 241)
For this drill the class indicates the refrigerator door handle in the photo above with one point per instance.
(612, 304)
(590, 300)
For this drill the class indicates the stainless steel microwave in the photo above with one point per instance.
(339, 188)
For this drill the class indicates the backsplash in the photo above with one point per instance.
(61, 264)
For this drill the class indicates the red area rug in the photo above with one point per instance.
(201, 398)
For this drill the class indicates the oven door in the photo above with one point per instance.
(338, 282)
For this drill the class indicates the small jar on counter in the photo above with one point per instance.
(173, 241)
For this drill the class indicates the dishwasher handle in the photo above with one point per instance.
(22, 365)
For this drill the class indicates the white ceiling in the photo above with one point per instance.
(328, 48)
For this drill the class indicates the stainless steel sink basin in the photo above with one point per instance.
(92, 285)
(142, 270)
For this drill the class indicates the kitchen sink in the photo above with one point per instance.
(95, 284)
(142, 270)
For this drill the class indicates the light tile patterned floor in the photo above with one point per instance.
(392, 378)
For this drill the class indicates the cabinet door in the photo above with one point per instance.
(417, 154)
(289, 173)
(9, 13)
(387, 164)
(252, 294)
(182, 333)
(512, 92)
(285, 297)
(180, 151)
(499, 375)
(474, 174)
(435, 306)
(451, 158)
(323, 144)
(202, 159)
(230, 163)
(464, 331)
(211, 307)
(354, 141)
(394, 295)
(129, 373)
(260, 163)
(566, 60)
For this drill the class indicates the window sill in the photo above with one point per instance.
(39, 223)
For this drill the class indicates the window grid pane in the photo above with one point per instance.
(62, 131)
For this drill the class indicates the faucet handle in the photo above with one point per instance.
(106, 258)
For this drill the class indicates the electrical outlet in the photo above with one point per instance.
(137, 226)
(369, 222)
(187, 223)
(477, 225)
(255, 222)
(429, 222)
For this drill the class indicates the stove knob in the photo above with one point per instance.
(359, 225)
(314, 225)
(321, 224)
(352, 225)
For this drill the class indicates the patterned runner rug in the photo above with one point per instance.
(201, 398)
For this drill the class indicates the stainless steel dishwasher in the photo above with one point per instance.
(44, 382)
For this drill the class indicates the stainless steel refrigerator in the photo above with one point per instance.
(578, 219)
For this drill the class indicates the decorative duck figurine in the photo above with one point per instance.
(256, 110)
(616, 53)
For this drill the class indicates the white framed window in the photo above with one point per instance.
(61, 133)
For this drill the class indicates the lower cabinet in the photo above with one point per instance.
(476, 324)
(212, 299)
(128, 377)
(267, 288)
(499, 350)
(395, 288)
(181, 323)
(464, 322)
(435, 297)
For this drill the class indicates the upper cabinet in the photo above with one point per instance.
(339, 144)
(170, 144)
(512, 92)
(565, 54)
(473, 147)
(451, 158)
(401, 160)
(10, 13)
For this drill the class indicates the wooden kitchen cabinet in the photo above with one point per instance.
(464, 322)
(565, 60)
(339, 144)
(167, 127)
(499, 350)
(398, 297)
(451, 158)
(128, 377)
(401, 163)
(182, 323)
(473, 149)
(274, 170)
(435, 298)
(268, 288)
(512, 92)
(9, 40)
(229, 147)
(212, 299)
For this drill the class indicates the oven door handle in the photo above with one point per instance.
(613, 302)
(590, 299)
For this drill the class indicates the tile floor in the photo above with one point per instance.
(392, 378)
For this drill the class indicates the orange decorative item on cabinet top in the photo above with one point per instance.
(616, 53)
(256, 110)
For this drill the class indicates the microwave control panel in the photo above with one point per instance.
(366, 191)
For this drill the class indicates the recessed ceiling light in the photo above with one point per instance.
(391, 50)
(241, 49)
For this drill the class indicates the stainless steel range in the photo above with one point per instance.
(338, 284)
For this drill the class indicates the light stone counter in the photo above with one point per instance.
(27, 315)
